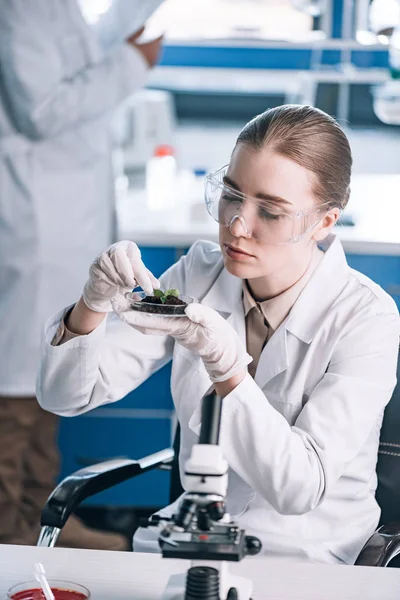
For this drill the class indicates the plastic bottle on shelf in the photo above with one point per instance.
(161, 172)
(200, 175)
(198, 211)
(386, 97)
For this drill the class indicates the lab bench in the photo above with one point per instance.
(143, 422)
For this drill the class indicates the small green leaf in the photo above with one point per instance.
(172, 293)
(163, 295)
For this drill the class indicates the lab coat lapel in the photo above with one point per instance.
(325, 285)
(308, 313)
(273, 359)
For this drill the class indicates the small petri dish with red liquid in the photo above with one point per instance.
(62, 590)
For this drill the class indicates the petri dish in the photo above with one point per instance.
(62, 590)
(163, 310)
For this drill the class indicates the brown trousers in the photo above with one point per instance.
(29, 463)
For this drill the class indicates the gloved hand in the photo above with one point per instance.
(117, 270)
(204, 332)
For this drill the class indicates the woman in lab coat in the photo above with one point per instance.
(58, 89)
(302, 347)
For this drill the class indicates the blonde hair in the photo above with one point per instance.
(312, 139)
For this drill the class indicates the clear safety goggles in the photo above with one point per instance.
(259, 219)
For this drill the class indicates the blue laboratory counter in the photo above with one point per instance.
(143, 422)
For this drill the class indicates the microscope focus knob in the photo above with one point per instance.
(253, 545)
(202, 583)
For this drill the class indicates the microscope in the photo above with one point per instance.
(201, 530)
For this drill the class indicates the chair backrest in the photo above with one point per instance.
(388, 468)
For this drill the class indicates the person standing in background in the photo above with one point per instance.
(59, 85)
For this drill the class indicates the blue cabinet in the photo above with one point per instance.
(142, 422)
(96, 436)
(384, 270)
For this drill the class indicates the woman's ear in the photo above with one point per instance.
(327, 224)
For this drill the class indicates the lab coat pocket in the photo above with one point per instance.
(185, 362)
(286, 409)
(189, 382)
(283, 399)
(180, 352)
(239, 495)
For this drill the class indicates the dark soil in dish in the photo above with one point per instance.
(153, 305)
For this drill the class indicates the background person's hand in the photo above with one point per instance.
(204, 332)
(132, 38)
(117, 270)
(150, 50)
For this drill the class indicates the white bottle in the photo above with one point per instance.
(394, 54)
(387, 96)
(198, 210)
(161, 174)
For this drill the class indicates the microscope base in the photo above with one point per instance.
(176, 587)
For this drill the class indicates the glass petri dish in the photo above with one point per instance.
(163, 310)
(62, 590)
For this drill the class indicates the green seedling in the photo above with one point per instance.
(164, 295)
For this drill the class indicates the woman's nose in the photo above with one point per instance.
(238, 227)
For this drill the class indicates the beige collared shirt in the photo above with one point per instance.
(264, 318)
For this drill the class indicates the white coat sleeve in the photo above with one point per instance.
(122, 19)
(42, 99)
(102, 367)
(293, 467)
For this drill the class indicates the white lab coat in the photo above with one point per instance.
(57, 91)
(301, 438)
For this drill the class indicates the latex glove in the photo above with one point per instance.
(204, 332)
(117, 270)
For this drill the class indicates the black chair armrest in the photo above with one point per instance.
(94, 479)
(381, 547)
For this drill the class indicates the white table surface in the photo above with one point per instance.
(129, 576)
(374, 203)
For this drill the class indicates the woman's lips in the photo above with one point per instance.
(237, 254)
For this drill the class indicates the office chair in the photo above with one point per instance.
(384, 544)
(380, 549)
